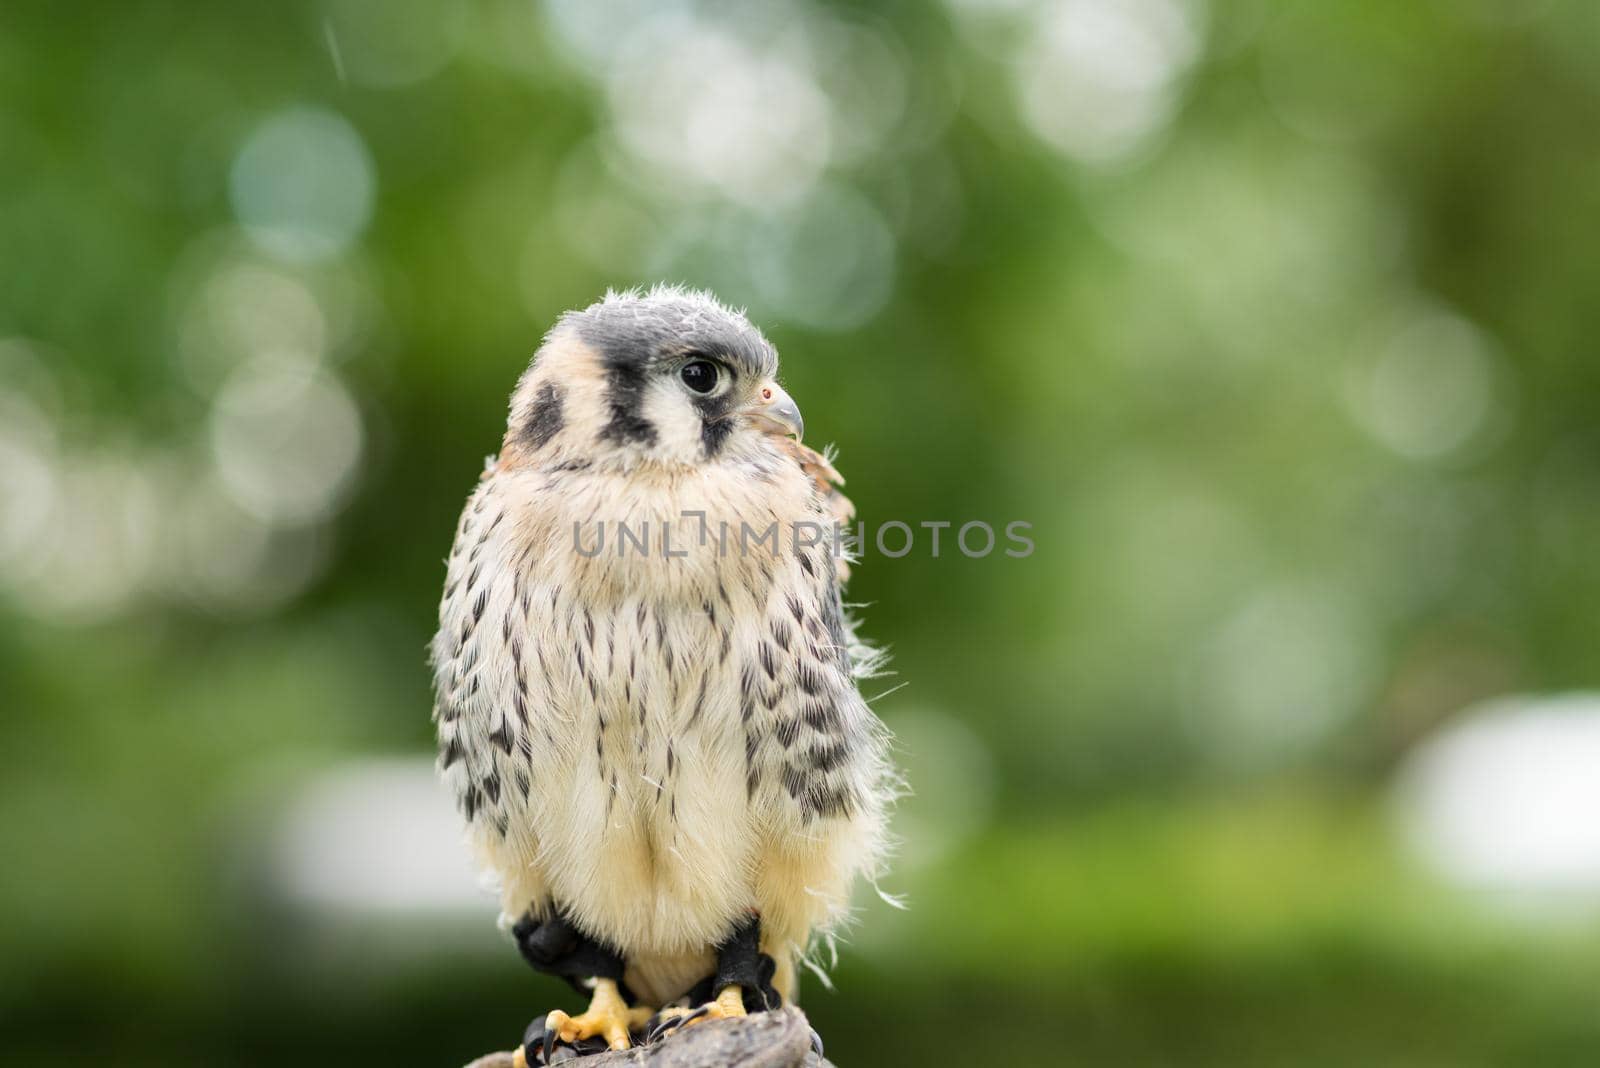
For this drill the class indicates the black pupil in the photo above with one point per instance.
(699, 375)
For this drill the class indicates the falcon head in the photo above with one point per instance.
(671, 378)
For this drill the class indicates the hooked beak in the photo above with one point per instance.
(776, 412)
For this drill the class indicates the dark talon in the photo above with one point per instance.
(816, 1043)
(665, 1027)
(535, 1040)
(547, 1042)
(661, 1029)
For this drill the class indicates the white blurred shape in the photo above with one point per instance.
(234, 563)
(27, 476)
(827, 264)
(1280, 674)
(98, 543)
(285, 436)
(595, 31)
(1098, 78)
(244, 309)
(379, 836)
(1506, 799)
(28, 460)
(724, 120)
(389, 43)
(1432, 391)
(721, 112)
(302, 185)
(863, 69)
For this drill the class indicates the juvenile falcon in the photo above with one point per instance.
(645, 681)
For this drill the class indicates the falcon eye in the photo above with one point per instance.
(699, 375)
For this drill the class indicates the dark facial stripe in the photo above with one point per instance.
(639, 339)
(716, 420)
(714, 434)
(625, 385)
(545, 419)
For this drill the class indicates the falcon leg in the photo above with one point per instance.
(608, 1017)
(556, 947)
(743, 983)
(738, 971)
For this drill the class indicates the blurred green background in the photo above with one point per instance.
(1275, 319)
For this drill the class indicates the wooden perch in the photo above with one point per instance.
(778, 1039)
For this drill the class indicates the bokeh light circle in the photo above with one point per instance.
(1096, 78)
(389, 43)
(285, 437)
(302, 185)
(829, 264)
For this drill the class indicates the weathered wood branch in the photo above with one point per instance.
(779, 1039)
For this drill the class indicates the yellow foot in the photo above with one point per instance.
(728, 1004)
(608, 1016)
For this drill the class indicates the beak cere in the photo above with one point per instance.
(776, 412)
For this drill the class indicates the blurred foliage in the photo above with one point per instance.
(1273, 319)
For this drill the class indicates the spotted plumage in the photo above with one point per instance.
(651, 723)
